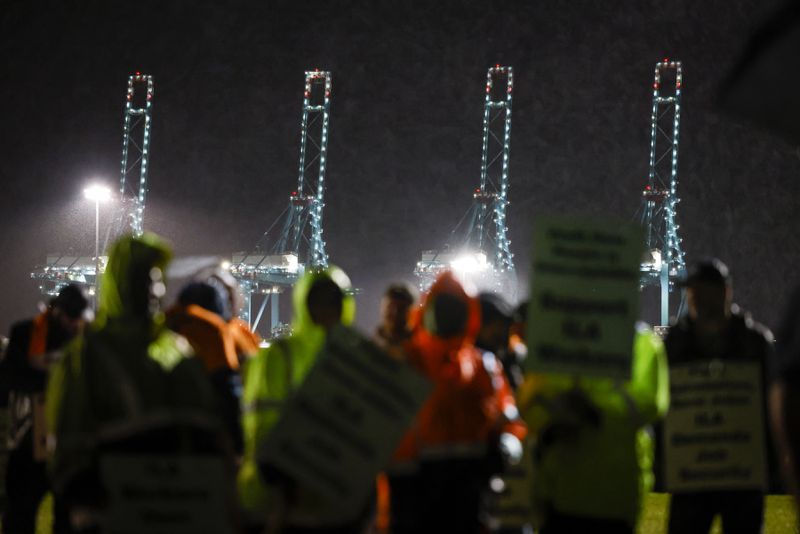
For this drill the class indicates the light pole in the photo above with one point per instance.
(97, 193)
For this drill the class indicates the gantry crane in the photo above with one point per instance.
(481, 251)
(276, 264)
(664, 263)
(61, 269)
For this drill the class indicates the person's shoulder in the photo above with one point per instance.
(171, 349)
(274, 348)
(20, 329)
(751, 327)
(680, 328)
(646, 338)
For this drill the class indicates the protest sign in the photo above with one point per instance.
(166, 494)
(714, 431)
(584, 299)
(344, 422)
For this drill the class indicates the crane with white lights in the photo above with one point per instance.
(481, 251)
(61, 269)
(135, 155)
(663, 264)
(276, 264)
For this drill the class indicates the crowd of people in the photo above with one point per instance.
(495, 447)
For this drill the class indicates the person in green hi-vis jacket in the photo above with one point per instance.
(322, 299)
(593, 458)
(128, 382)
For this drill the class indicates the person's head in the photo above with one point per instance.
(207, 296)
(709, 293)
(449, 312)
(224, 281)
(322, 297)
(133, 282)
(446, 317)
(496, 318)
(69, 308)
(395, 305)
(324, 302)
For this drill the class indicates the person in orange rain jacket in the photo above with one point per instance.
(247, 342)
(467, 430)
(199, 317)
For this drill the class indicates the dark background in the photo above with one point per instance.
(405, 134)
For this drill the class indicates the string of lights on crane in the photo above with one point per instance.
(141, 113)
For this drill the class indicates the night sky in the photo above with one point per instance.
(405, 132)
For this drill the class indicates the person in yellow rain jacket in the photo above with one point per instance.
(593, 456)
(321, 300)
(126, 376)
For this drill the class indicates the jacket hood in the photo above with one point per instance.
(302, 318)
(428, 343)
(130, 261)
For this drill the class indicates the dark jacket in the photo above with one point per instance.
(745, 341)
(18, 374)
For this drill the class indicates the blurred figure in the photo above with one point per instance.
(321, 301)
(494, 340)
(392, 334)
(128, 384)
(246, 341)
(785, 395)
(593, 456)
(497, 317)
(199, 317)
(393, 331)
(517, 335)
(714, 328)
(34, 345)
(466, 432)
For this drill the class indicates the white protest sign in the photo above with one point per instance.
(346, 420)
(167, 494)
(714, 431)
(585, 296)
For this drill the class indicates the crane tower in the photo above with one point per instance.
(61, 269)
(481, 250)
(664, 262)
(275, 265)
(135, 154)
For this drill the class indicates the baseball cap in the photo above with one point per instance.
(708, 271)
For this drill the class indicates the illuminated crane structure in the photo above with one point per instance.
(664, 263)
(135, 157)
(62, 269)
(275, 265)
(480, 252)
